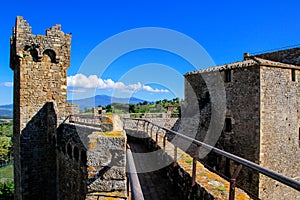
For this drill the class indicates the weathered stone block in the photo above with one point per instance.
(101, 185)
(115, 173)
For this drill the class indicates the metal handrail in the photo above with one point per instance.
(135, 186)
(272, 174)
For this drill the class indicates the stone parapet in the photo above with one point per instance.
(107, 162)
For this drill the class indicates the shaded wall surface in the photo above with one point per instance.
(242, 112)
(53, 160)
(38, 156)
(71, 161)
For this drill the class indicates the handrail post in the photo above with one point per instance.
(148, 126)
(144, 126)
(151, 130)
(156, 136)
(137, 126)
(233, 182)
(194, 169)
(164, 143)
(254, 166)
(175, 156)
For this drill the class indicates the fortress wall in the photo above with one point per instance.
(280, 122)
(241, 135)
(72, 162)
(91, 162)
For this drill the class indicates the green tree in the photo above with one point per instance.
(6, 129)
(132, 108)
(5, 148)
(109, 108)
(6, 132)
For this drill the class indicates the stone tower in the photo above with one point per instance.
(39, 63)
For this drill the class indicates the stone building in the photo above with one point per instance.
(98, 111)
(54, 159)
(262, 117)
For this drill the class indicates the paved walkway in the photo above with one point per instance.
(155, 185)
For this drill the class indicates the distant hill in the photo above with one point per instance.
(91, 102)
(103, 100)
(6, 111)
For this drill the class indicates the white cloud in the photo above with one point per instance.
(7, 84)
(76, 90)
(92, 81)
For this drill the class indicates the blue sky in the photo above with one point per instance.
(225, 29)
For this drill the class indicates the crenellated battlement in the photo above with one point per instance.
(55, 45)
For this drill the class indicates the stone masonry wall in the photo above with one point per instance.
(107, 162)
(289, 56)
(71, 161)
(41, 63)
(242, 108)
(280, 120)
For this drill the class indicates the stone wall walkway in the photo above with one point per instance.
(155, 185)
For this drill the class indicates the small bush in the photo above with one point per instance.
(7, 190)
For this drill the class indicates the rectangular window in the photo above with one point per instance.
(293, 75)
(228, 76)
(228, 125)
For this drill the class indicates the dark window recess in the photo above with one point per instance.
(63, 148)
(228, 125)
(228, 76)
(83, 157)
(69, 150)
(76, 153)
(250, 177)
(54, 140)
(293, 75)
(227, 168)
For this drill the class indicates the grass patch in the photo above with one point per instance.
(7, 172)
(189, 160)
(220, 188)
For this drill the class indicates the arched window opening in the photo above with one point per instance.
(51, 54)
(33, 52)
